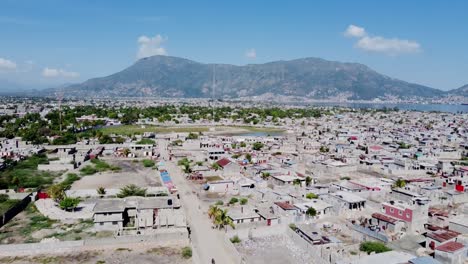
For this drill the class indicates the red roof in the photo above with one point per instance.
(384, 218)
(285, 205)
(376, 148)
(450, 246)
(223, 162)
(442, 235)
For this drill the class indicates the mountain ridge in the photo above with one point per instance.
(315, 78)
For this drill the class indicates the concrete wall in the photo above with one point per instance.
(177, 237)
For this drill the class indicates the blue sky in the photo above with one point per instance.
(50, 42)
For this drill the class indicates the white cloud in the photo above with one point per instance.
(148, 46)
(392, 46)
(55, 73)
(355, 31)
(7, 65)
(251, 54)
(389, 46)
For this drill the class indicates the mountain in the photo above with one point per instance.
(167, 76)
(462, 91)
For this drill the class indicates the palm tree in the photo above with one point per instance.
(400, 183)
(222, 219)
(131, 190)
(213, 211)
(308, 180)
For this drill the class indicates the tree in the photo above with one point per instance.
(131, 190)
(192, 136)
(400, 183)
(324, 149)
(69, 203)
(222, 219)
(296, 182)
(216, 166)
(248, 157)
(308, 180)
(311, 211)
(265, 175)
(106, 139)
(101, 191)
(126, 152)
(56, 192)
(213, 210)
(243, 145)
(257, 146)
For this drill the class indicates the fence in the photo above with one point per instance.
(16, 209)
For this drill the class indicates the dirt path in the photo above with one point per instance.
(208, 243)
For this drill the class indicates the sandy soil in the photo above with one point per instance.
(131, 173)
(161, 255)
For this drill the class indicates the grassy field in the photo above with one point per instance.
(137, 129)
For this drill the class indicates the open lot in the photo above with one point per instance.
(141, 254)
(278, 249)
(138, 129)
(132, 172)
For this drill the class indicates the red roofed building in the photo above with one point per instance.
(230, 169)
(439, 237)
(451, 252)
(385, 222)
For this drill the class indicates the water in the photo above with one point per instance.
(259, 134)
(448, 108)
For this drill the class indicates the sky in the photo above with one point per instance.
(52, 42)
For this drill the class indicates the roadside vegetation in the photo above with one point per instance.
(24, 174)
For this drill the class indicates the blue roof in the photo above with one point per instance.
(424, 260)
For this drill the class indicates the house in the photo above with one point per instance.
(313, 235)
(109, 214)
(385, 222)
(243, 214)
(459, 224)
(439, 237)
(321, 207)
(139, 212)
(415, 215)
(451, 253)
(230, 169)
(342, 200)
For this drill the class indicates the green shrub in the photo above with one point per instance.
(69, 203)
(311, 196)
(88, 170)
(235, 239)
(243, 201)
(146, 141)
(233, 200)
(372, 246)
(187, 252)
(148, 163)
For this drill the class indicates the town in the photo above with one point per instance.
(212, 181)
